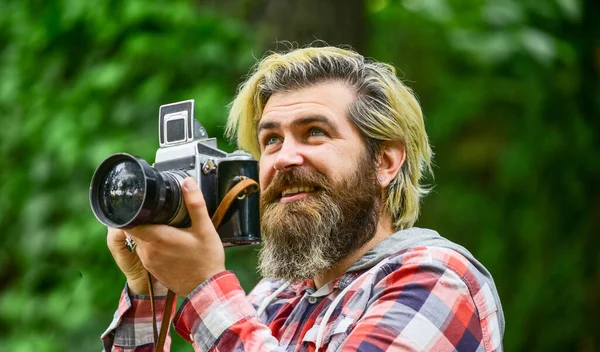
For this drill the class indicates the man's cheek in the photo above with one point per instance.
(266, 172)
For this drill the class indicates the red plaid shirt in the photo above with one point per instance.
(424, 298)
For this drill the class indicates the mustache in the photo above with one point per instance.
(294, 177)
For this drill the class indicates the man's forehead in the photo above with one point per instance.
(329, 100)
(329, 92)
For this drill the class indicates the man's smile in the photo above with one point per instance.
(294, 193)
(296, 189)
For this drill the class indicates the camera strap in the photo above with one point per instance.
(240, 190)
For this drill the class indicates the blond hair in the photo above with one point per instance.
(384, 110)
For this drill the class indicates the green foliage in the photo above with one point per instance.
(509, 91)
(79, 81)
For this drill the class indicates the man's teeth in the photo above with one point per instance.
(294, 190)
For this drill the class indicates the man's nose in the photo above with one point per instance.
(288, 156)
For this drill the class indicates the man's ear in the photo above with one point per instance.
(392, 155)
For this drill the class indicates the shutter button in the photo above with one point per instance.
(312, 300)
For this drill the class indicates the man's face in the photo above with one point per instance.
(320, 200)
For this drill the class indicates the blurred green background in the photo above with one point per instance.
(510, 90)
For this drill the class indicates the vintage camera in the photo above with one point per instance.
(126, 191)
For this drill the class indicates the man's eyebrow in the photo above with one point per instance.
(269, 125)
(312, 119)
(297, 122)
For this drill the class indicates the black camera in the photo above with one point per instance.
(126, 191)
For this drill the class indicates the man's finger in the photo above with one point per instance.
(195, 204)
(116, 235)
(148, 233)
(115, 239)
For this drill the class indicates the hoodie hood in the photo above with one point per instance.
(419, 237)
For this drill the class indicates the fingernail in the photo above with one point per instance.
(190, 184)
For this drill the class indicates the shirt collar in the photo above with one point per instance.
(308, 286)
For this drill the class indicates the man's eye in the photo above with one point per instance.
(316, 132)
(272, 140)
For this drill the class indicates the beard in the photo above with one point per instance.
(306, 238)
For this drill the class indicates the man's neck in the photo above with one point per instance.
(384, 229)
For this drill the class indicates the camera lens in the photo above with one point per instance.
(122, 192)
(126, 191)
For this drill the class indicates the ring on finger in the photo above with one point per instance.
(130, 244)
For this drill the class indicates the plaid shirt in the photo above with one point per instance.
(424, 298)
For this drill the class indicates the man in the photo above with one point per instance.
(342, 149)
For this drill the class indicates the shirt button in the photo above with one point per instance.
(312, 300)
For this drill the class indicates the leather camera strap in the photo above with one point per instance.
(244, 187)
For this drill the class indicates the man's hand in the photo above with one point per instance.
(130, 265)
(181, 259)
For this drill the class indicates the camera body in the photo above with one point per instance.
(126, 191)
(185, 149)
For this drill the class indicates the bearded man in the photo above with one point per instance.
(342, 149)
